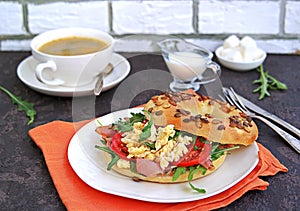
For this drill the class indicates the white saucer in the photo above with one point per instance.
(26, 73)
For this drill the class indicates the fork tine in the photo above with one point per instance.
(238, 99)
(230, 97)
(221, 97)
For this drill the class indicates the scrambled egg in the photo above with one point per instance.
(167, 149)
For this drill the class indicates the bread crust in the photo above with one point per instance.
(219, 122)
(167, 178)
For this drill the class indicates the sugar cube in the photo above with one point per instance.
(231, 42)
(233, 54)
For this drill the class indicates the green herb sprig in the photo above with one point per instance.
(146, 131)
(266, 83)
(22, 105)
(124, 126)
(114, 156)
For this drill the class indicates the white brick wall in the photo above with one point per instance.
(138, 24)
(159, 17)
(248, 17)
(292, 18)
(11, 24)
(57, 15)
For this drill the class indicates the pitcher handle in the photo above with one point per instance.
(215, 72)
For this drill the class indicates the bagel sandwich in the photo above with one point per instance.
(178, 137)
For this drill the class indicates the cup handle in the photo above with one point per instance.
(49, 65)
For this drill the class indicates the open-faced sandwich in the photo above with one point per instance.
(177, 137)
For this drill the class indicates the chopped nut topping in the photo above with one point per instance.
(159, 103)
(154, 98)
(191, 95)
(240, 125)
(177, 115)
(186, 120)
(233, 124)
(204, 120)
(243, 115)
(172, 102)
(158, 113)
(225, 109)
(204, 97)
(192, 118)
(247, 129)
(136, 179)
(198, 116)
(166, 105)
(249, 119)
(246, 124)
(208, 115)
(184, 112)
(176, 99)
(186, 97)
(216, 121)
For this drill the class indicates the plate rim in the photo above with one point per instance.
(144, 198)
(70, 91)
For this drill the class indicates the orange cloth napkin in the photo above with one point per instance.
(53, 139)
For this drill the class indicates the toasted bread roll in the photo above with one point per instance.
(203, 116)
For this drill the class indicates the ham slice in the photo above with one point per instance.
(148, 167)
(208, 164)
(106, 131)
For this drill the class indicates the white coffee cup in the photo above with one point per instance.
(70, 70)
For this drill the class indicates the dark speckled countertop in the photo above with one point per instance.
(25, 183)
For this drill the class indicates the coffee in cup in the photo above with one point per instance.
(71, 56)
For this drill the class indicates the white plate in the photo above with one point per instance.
(26, 69)
(89, 165)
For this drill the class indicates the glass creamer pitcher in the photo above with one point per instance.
(189, 64)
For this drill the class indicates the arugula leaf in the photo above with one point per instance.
(216, 152)
(146, 131)
(114, 156)
(267, 82)
(22, 105)
(151, 145)
(178, 172)
(113, 161)
(199, 190)
(124, 126)
(275, 83)
(136, 117)
(197, 169)
(103, 141)
(263, 84)
(177, 133)
(99, 123)
(191, 175)
(182, 170)
(133, 167)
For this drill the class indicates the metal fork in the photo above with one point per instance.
(233, 99)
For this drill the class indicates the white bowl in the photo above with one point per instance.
(240, 66)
